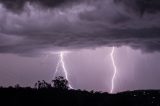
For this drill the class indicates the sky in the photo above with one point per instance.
(32, 32)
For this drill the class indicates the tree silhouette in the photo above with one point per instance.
(42, 84)
(17, 86)
(60, 83)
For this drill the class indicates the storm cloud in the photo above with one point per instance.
(18, 5)
(141, 6)
(37, 26)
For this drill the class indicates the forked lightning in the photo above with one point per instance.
(61, 64)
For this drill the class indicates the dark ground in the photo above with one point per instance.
(63, 97)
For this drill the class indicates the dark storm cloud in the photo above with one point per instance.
(78, 24)
(18, 5)
(141, 6)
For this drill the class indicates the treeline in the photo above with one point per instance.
(58, 94)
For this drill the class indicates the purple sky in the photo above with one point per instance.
(32, 29)
(88, 69)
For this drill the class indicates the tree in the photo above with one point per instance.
(60, 83)
(17, 86)
(42, 84)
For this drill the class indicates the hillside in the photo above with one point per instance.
(65, 97)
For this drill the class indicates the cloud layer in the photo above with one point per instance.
(36, 26)
(141, 6)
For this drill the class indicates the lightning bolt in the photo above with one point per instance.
(115, 69)
(61, 63)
